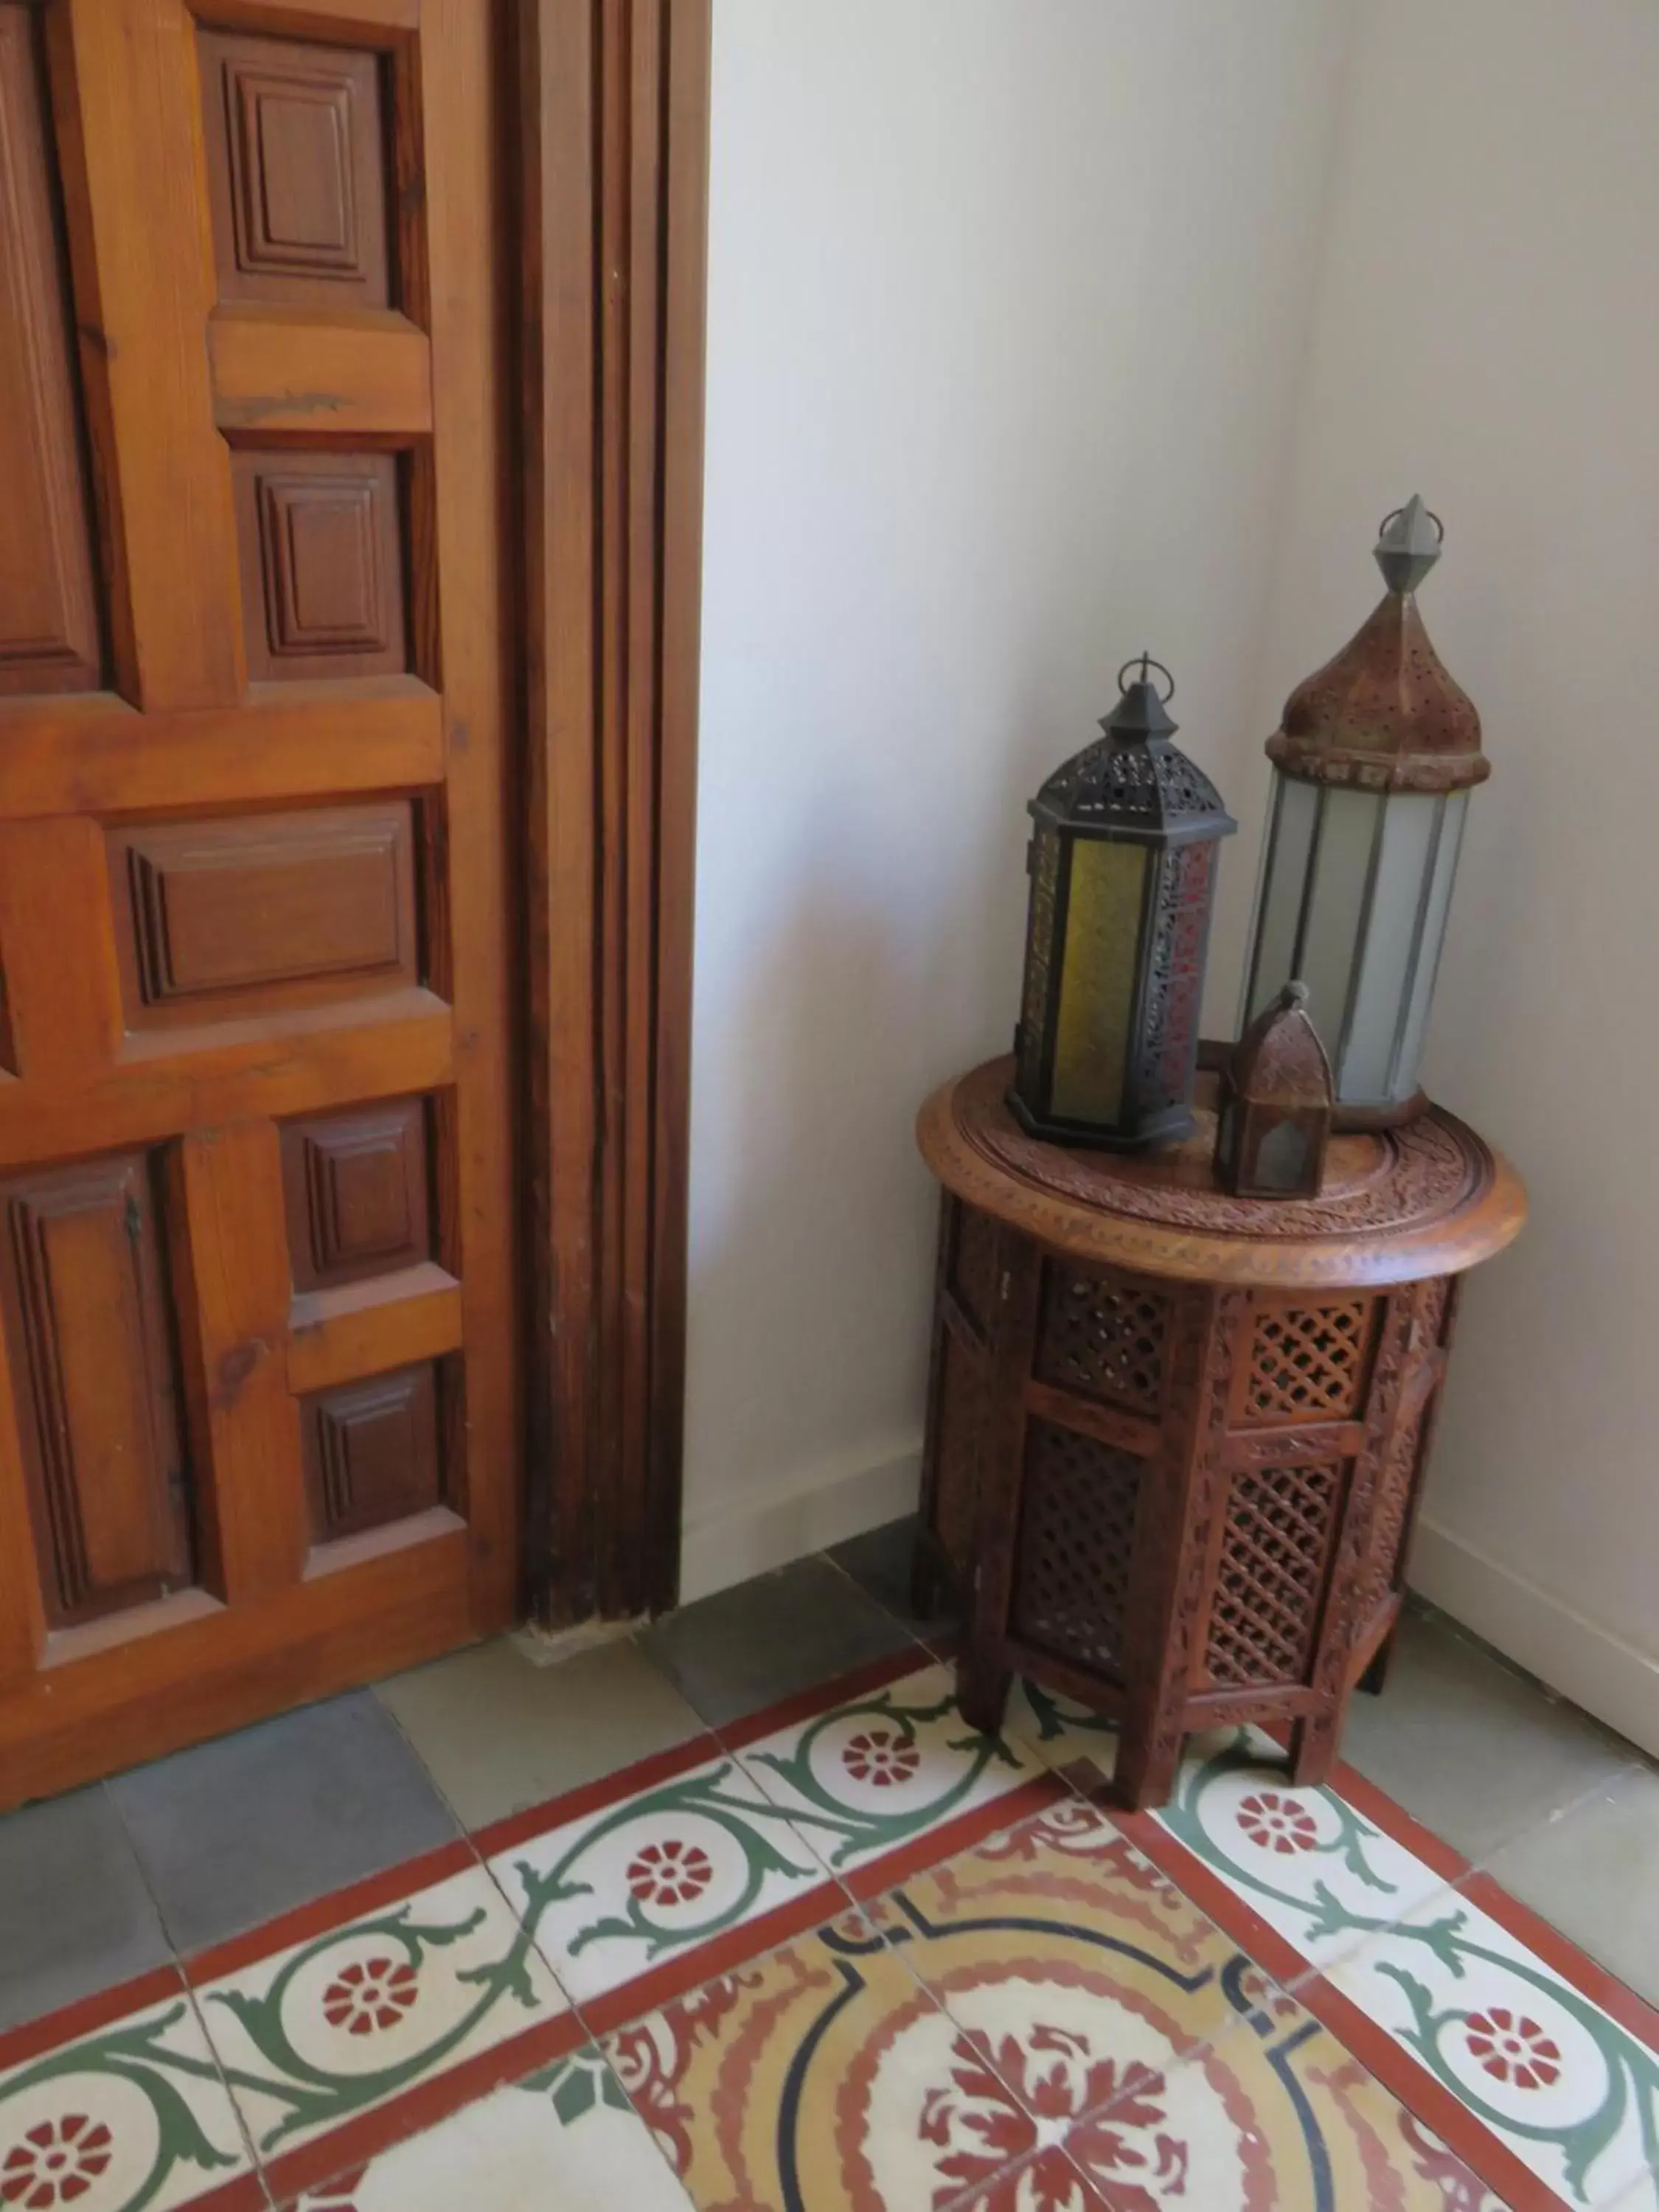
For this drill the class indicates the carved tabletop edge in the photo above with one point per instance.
(1433, 1199)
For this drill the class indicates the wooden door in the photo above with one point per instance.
(257, 1429)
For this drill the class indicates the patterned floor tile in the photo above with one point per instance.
(1317, 1871)
(807, 2083)
(1572, 2093)
(334, 2026)
(1042, 2025)
(132, 2114)
(1149, 1969)
(566, 2140)
(612, 1894)
(883, 1767)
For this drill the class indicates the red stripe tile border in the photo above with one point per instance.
(594, 1796)
(1374, 1805)
(1392, 2064)
(299, 1926)
(707, 1962)
(289, 2173)
(86, 2015)
(964, 1832)
(1616, 1998)
(246, 2194)
(841, 1689)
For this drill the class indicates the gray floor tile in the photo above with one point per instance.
(1594, 1873)
(765, 1639)
(1470, 1749)
(879, 1562)
(75, 1914)
(236, 1830)
(497, 1732)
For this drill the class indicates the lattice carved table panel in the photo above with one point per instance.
(1176, 1439)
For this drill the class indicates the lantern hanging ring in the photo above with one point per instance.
(1394, 512)
(1144, 661)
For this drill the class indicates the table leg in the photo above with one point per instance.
(1313, 1745)
(924, 1577)
(1147, 1757)
(982, 1686)
(1375, 1676)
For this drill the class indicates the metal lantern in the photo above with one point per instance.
(1123, 867)
(1373, 765)
(1275, 1105)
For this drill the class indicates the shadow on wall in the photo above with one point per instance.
(893, 961)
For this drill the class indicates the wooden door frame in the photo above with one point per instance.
(611, 187)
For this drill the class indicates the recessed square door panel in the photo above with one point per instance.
(321, 543)
(372, 1451)
(355, 1185)
(296, 167)
(83, 1291)
(220, 919)
(48, 624)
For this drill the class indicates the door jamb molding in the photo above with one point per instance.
(612, 190)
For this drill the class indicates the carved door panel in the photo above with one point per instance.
(257, 1429)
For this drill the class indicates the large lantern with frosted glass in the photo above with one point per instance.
(1373, 765)
(1122, 866)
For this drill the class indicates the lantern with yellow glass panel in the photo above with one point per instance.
(1122, 868)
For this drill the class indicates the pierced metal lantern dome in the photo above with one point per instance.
(1373, 765)
(1122, 868)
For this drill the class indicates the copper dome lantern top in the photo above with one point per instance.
(1384, 714)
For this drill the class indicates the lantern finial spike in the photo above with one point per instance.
(1407, 545)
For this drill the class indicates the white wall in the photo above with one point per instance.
(1008, 303)
(1487, 332)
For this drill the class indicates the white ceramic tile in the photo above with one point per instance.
(1569, 2091)
(134, 2115)
(566, 2141)
(328, 2029)
(611, 1895)
(866, 1776)
(1302, 1858)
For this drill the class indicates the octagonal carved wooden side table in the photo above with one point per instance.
(1176, 1439)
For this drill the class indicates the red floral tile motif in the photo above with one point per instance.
(1277, 1824)
(1513, 2050)
(669, 1873)
(55, 2162)
(1056, 2077)
(881, 1757)
(650, 2057)
(370, 1996)
(1462, 2192)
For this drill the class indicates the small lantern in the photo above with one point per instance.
(1372, 768)
(1275, 1105)
(1122, 868)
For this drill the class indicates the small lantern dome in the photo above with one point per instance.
(1373, 764)
(1122, 875)
(1276, 1104)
